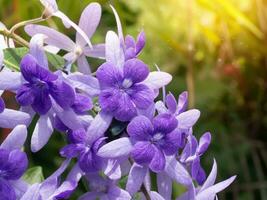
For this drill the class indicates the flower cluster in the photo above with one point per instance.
(115, 125)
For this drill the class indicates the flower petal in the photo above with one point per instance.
(187, 119)
(71, 150)
(117, 193)
(98, 51)
(98, 127)
(126, 109)
(89, 21)
(42, 132)
(17, 164)
(158, 162)
(42, 102)
(10, 80)
(32, 193)
(135, 70)
(177, 171)
(15, 139)
(117, 148)
(112, 169)
(90, 196)
(197, 171)
(82, 104)
(182, 102)
(211, 178)
(172, 143)
(156, 196)
(129, 42)
(37, 50)
(136, 178)
(140, 128)
(141, 95)
(25, 95)
(89, 162)
(164, 123)
(68, 117)
(204, 143)
(108, 75)
(143, 152)
(119, 27)
(140, 43)
(11, 118)
(164, 184)
(6, 190)
(63, 93)
(54, 38)
(114, 52)
(157, 80)
(171, 103)
(83, 65)
(213, 190)
(108, 100)
(66, 20)
(31, 70)
(87, 83)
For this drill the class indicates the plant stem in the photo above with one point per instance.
(145, 192)
(14, 36)
(24, 23)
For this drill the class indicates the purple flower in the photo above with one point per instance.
(51, 9)
(122, 91)
(40, 86)
(13, 162)
(153, 140)
(208, 190)
(126, 84)
(88, 160)
(192, 153)
(76, 51)
(132, 48)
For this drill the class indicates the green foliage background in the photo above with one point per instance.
(215, 49)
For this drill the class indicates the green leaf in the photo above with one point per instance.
(13, 56)
(34, 175)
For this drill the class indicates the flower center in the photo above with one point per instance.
(157, 137)
(78, 51)
(41, 85)
(127, 83)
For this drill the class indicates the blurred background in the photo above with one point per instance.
(217, 50)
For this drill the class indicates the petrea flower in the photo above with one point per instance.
(192, 153)
(208, 190)
(77, 51)
(132, 48)
(153, 140)
(88, 160)
(104, 188)
(51, 9)
(13, 162)
(84, 145)
(186, 119)
(42, 85)
(126, 86)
